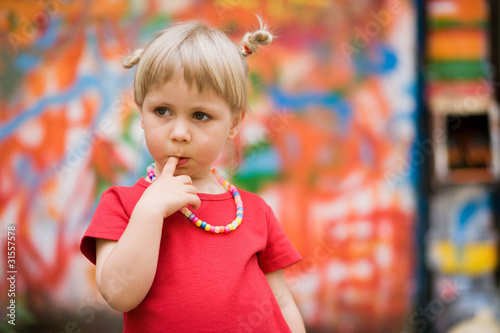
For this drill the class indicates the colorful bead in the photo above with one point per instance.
(202, 224)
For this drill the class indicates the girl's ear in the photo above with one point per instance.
(236, 125)
(142, 117)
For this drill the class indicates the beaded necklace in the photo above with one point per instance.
(202, 224)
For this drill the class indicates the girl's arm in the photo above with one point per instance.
(125, 269)
(287, 305)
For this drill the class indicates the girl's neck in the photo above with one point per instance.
(208, 185)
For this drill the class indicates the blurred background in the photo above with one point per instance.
(373, 134)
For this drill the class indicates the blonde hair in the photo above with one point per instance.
(205, 55)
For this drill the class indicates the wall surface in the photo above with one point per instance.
(329, 143)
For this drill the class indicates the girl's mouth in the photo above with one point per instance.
(182, 162)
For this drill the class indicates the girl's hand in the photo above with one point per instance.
(169, 193)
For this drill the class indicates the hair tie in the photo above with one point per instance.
(246, 51)
(251, 41)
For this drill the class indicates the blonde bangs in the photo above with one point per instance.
(206, 56)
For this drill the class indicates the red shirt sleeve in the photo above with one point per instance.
(109, 222)
(279, 251)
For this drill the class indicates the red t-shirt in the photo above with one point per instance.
(204, 282)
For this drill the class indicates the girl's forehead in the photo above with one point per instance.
(177, 83)
(178, 90)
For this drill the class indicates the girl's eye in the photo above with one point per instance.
(201, 116)
(162, 111)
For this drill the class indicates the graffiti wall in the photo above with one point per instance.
(328, 143)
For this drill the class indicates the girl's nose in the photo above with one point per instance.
(180, 131)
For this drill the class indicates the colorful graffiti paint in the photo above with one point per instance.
(328, 143)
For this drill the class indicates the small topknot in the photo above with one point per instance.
(132, 60)
(252, 40)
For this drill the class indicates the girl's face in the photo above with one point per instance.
(180, 121)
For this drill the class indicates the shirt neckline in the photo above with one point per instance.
(203, 196)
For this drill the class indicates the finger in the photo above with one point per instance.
(196, 202)
(185, 179)
(169, 167)
(191, 189)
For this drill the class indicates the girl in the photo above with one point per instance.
(173, 252)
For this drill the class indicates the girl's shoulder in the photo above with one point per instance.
(252, 199)
(127, 196)
(139, 187)
(250, 195)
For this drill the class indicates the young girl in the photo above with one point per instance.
(174, 252)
